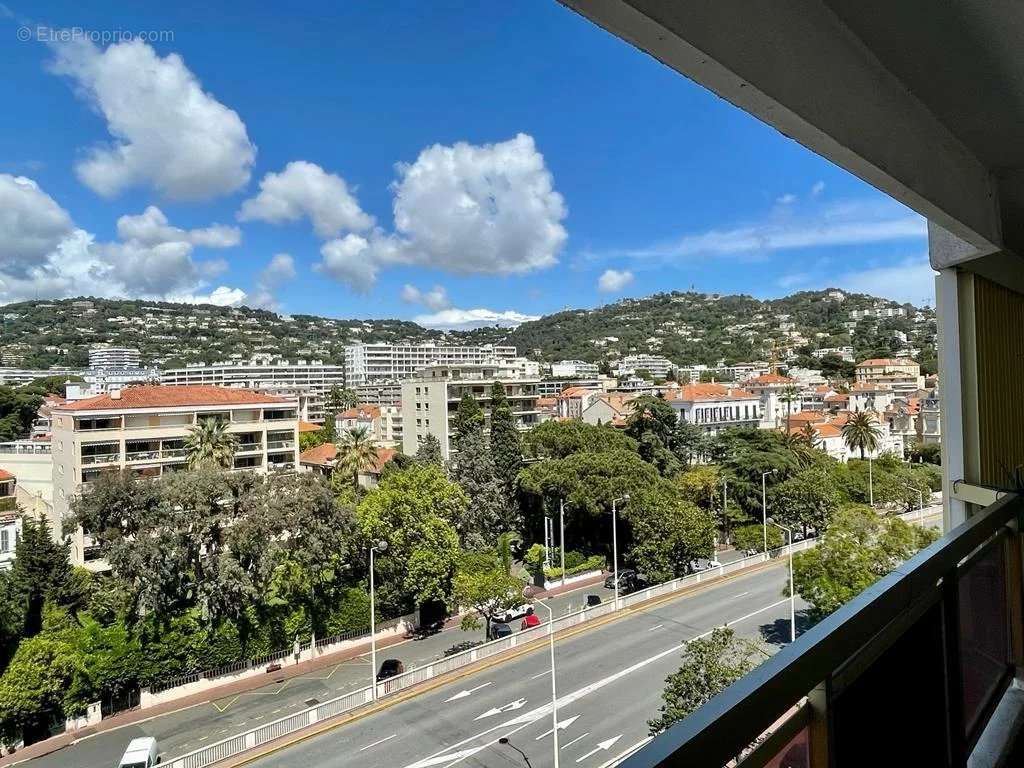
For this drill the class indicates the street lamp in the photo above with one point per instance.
(792, 587)
(504, 740)
(380, 546)
(561, 537)
(764, 507)
(554, 695)
(871, 485)
(920, 504)
(624, 498)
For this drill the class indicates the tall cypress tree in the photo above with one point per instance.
(506, 444)
(41, 571)
(469, 419)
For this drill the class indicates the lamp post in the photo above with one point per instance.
(380, 546)
(554, 694)
(764, 507)
(615, 545)
(561, 537)
(504, 740)
(792, 590)
(725, 504)
(920, 503)
(871, 485)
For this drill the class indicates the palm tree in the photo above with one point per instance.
(862, 433)
(810, 435)
(789, 396)
(210, 444)
(356, 451)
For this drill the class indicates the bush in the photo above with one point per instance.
(352, 613)
(592, 563)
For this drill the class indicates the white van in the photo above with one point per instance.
(141, 753)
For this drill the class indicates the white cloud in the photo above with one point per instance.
(786, 199)
(473, 318)
(817, 188)
(32, 224)
(280, 269)
(348, 260)
(167, 132)
(908, 280)
(306, 189)
(467, 209)
(851, 222)
(222, 296)
(151, 258)
(614, 280)
(436, 298)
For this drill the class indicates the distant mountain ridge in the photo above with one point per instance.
(687, 328)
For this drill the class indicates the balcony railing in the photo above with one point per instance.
(100, 458)
(909, 672)
(248, 447)
(274, 445)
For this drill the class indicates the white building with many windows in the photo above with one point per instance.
(311, 380)
(571, 369)
(365, 363)
(714, 407)
(110, 356)
(143, 430)
(431, 399)
(656, 365)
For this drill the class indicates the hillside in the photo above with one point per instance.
(685, 327)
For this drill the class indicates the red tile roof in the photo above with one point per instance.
(320, 455)
(771, 378)
(5, 475)
(309, 426)
(807, 416)
(361, 412)
(155, 396)
(875, 362)
(712, 391)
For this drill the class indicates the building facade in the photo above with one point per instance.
(382, 422)
(143, 430)
(655, 365)
(366, 363)
(714, 407)
(571, 369)
(431, 399)
(110, 356)
(310, 380)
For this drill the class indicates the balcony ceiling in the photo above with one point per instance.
(922, 98)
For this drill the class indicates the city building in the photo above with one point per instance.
(876, 369)
(380, 393)
(430, 400)
(382, 422)
(100, 380)
(870, 396)
(780, 395)
(572, 401)
(366, 363)
(843, 353)
(143, 430)
(110, 356)
(572, 369)
(656, 366)
(10, 520)
(17, 376)
(612, 408)
(714, 407)
(308, 381)
(323, 459)
(554, 387)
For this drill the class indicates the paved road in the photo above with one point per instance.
(188, 729)
(610, 680)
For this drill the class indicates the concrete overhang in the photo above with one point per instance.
(924, 99)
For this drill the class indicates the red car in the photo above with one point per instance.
(530, 620)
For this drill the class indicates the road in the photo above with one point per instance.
(610, 680)
(191, 728)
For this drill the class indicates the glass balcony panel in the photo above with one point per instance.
(984, 633)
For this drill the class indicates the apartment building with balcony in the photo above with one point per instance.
(382, 422)
(366, 363)
(431, 399)
(103, 356)
(714, 407)
(10, 520)
(310, 380)
(143, 430)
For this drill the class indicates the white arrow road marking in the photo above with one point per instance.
(376, 743)
(583, 736)
(562, 725)
(605, 745)
(464, 694)
(522, 721)
(517, 704)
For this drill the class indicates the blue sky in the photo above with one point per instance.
(443, 161)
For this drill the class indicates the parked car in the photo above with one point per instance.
(140, 753)
(714, 564)
(511, 614)
(390, 668)
(531, 619)
(498, 630)
(593, 600)
(625, 576)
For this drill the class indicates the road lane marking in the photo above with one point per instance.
(378, 743)
(541, 674)
(602, 745)
(741, 594)
(583, 736)
(562, 725)
(651, 629)
(224, 708)
(625, 753)
(464, 693)
(533, 715)
(517, 704)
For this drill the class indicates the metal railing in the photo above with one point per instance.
(100, 458)
(908, 672)
(276, 444)
(246, 447)
(234, 745)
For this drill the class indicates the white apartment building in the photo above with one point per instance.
(573, 401)
(571, 369)
(365, 363)
(311, 380)
(143, 430)
(871, 396)
(382, 422)
(843, 353)
(779, 397)
(655, 365)
(554, 387)
(100, 380)
(10, 520)
(431, 399)
(110, 356)
(380, 393)
(714, 407)
(17, 376)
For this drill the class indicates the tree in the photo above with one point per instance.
(429, 451)
(209, 443)
(506, 444)
(810, 435)
(32, 687)
(356, 452)
(339, 399)
(490, 511)
(709, 666)
(789, 396)
(666, 533)
(859, 548)
(928, 453)
(558, 439)
(748, 537)
(483, 584)
(506, 542)
(469, 419)
(861, 433)
(808, 499)
(41, 572)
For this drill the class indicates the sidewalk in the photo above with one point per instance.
(288, 671)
